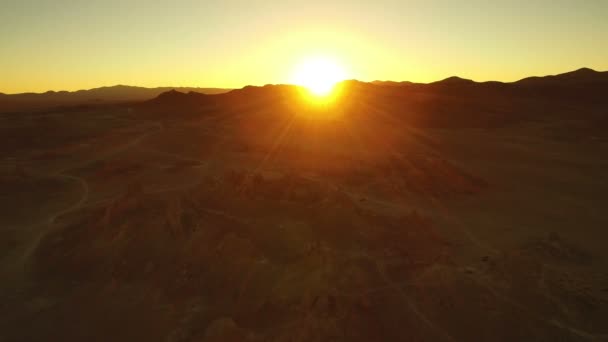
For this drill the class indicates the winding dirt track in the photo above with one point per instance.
(48, 224)
(37, 232)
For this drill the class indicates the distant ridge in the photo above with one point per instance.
(580, 76)
(102, 95)
(121, 90)
(391, 83)
(583, 83)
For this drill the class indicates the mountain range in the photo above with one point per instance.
(583, 83)
(102, 95)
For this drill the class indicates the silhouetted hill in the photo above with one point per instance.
(177, 96)
(391, 83)
(454, 81)
(105, 95)
(175, 99)
(577, 77)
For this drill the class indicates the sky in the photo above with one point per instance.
(75, 44)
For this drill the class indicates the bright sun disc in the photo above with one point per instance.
(319, 75)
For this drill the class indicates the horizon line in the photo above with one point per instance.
(254, 85)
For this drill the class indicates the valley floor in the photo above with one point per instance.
(121, 226)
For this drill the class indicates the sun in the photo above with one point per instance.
(319, 75)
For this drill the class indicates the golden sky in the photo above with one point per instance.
(71, 45)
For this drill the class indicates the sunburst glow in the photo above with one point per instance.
(319, 75)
